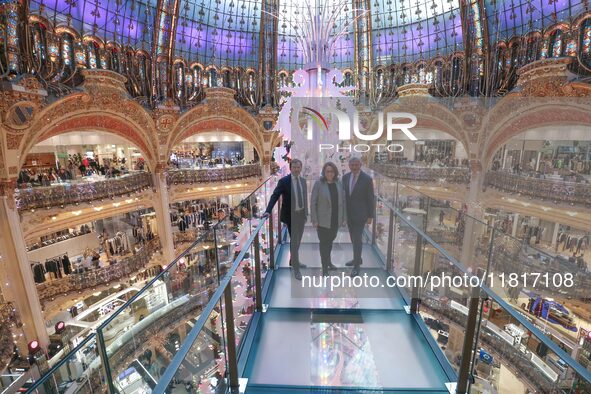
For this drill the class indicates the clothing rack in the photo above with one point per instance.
(38, 271)
(573, 242)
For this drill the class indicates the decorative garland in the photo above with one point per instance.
(8, 321)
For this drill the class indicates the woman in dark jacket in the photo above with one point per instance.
(328, 211)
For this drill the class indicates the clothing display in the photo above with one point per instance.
(572, 242)
(38, 272)
(80, 279)
(119, 244)
(53, 268)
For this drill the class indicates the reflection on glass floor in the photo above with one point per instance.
(354, 341)
(370, 349)
(283, 295)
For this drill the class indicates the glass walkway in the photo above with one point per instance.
(228, 316)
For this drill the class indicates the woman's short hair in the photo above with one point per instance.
(333, 166)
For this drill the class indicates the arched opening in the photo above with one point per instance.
(553, 152)
(433, 149)
(213, 149)
(76, 155)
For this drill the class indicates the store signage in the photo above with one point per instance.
(485, 357)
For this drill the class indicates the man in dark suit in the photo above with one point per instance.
(294, 210)
(360, 202)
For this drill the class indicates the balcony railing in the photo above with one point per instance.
(555, 190)
(87, 279)
(86, 190)
(216, 298)
(211, 175)
(82, 191)
(424, 174)
(185, 293)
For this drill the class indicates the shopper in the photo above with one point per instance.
(295, 214)
(360, 202)
(328, 212)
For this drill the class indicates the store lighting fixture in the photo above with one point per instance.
(129, 201)
(546, 209)
(76, 213)
(116, 204)
(214, 188)
(54, 218)
(98, 209)
(200, 189)
(98, 293)
(571, 213)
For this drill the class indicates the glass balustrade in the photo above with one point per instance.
(548, 188)
(418, 173)
(89, 189)
(137, 343)
(200, 325)
(85, 190)
(213, 174)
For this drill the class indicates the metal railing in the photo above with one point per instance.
(78, 281)
(416, 241)
(213, 174)
(184, 296)
(215, 319)
(574, 193)
(424, 174)
(78, 192)
(86, 191)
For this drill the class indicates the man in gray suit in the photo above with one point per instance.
(361, 205)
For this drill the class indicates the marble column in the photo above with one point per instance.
(18, 285)
(162, 209)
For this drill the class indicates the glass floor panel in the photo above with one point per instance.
(282, 294)
(341, 253)
(310, 235)
(365, 350)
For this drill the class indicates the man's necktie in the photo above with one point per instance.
(298, 194)
(353, 182)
